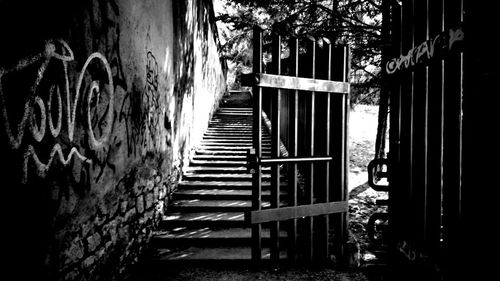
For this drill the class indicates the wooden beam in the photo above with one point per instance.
(286, 213)
(295, 83)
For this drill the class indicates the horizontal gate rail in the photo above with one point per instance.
(295, 212)
(295, 83)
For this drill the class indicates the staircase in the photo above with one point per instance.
(205, 220)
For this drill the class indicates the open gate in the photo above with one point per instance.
(304, 98)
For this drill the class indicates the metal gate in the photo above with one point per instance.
(426, 76)
(304, 98)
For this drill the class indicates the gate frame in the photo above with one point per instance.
(259, 80)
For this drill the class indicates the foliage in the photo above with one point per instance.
(353, 22)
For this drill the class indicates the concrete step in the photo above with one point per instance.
(232, 143)
(265, 148)
(215, 254)
(245, 185)
(230, 157)
(220, 194)
(209, 236)
(197, 205)
(214, 169)
(235, 141)
(218, 163)
(220, 176)
(231, 129)
(226, 152)
(203, 219)
(246, 125)
(226, 137)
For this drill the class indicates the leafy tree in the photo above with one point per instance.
(357, 23)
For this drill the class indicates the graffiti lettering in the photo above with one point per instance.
(141, 112)
(426, 51)
(151, 95)
(410, 252)
(37, 115)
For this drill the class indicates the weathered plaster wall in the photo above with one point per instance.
(101, 102)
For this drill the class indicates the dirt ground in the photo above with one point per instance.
(362, 199)
(241, 273)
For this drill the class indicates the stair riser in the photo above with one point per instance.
(201, 223)
(209, 242)
(210, 170)
(237, 187)
(219, 197)
(225, 178)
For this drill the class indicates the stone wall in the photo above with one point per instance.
(101, 102)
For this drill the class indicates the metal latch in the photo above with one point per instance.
(252, 161)
(378, 170)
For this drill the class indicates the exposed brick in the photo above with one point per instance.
(93, 241)
(100, 253)
(150, 185)
(124, 206)
(159, 206)
(158, 179)
(162, 192)
(109, 229)
(149, 215)
(75, 251)
(111, 204)
(149, 200)
(140, 204)
(89, 261)
(124, 232)
(155, 193)
(72, 275)
(99, 220)
(130, 214)
(87, 228)
(137, 189)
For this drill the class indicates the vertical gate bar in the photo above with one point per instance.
(407, 128)
(420, 131)
(293, 182)
(337, 146)
(452, 141)
(395, 202)
(257, 143)
(310, 199)
(435, 136)
(275, 147)
(345, 147)
(411, 136)
(327, 150)
(426, 134)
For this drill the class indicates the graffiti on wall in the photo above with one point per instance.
(434, 47)
(151, 98)
(45, 113)
(141, 112)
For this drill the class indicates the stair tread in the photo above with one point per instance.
(223, 183)
(211, 233)
(215, 162)
(207, 169)
(205, 216)
(245, 176)
(232, 157)
(221, 192)
(231, 148)
(222, 204)
(212, 253)
(226, 152)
